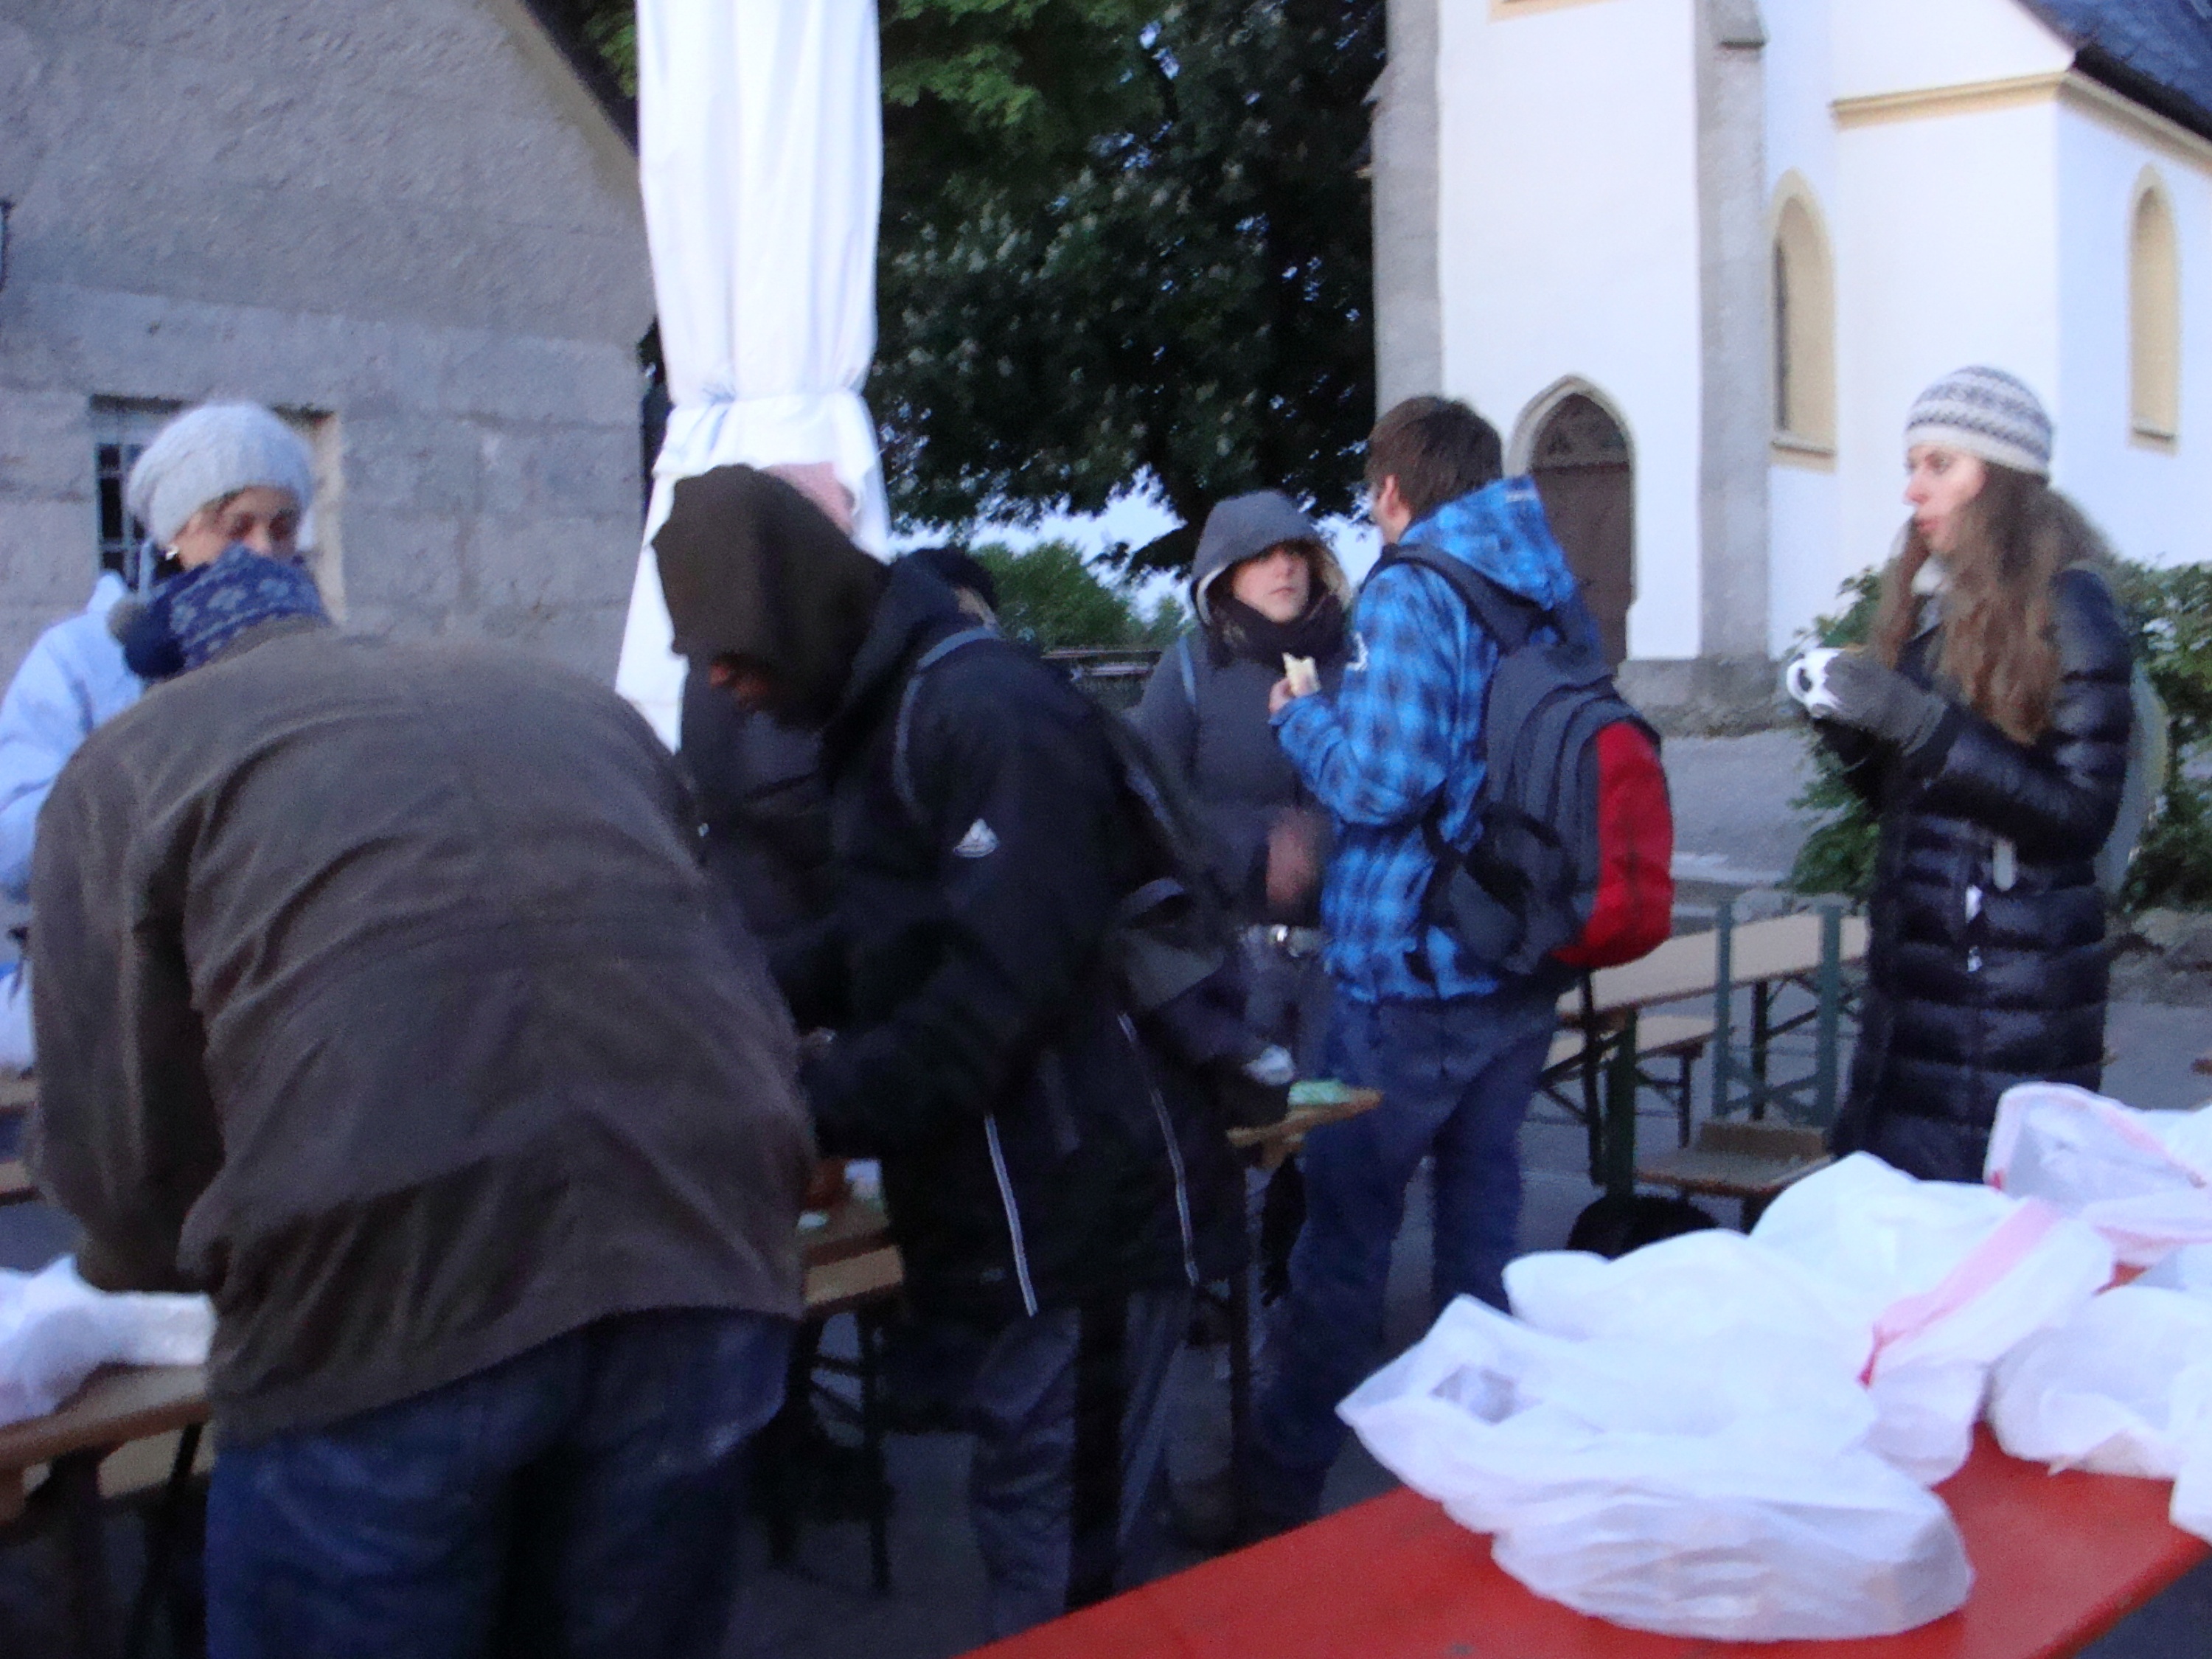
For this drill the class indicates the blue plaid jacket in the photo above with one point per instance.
(1405, 727)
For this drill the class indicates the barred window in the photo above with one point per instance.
(121, 429)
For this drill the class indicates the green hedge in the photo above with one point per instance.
(2171, 611)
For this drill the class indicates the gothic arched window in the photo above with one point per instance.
(2153, 315)
(1804, 324)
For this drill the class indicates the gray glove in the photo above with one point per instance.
(1883, 703)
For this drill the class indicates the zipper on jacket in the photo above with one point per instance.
(1175, 1153)
(1013, 1214)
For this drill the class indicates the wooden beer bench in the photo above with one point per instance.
(1744, 1157)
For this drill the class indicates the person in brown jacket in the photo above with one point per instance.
(381, 995)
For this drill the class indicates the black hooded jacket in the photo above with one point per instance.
(1037, 1149)
(1976, 982)
(1205, 708)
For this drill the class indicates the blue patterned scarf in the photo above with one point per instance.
(192, 618)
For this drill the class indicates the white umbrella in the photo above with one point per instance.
(760, 147)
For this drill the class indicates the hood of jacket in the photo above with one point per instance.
(917, 608)
(1243, 527)
(752, 569)
(1501, 530)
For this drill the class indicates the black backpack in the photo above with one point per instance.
(1173, 947)
(1573, 867)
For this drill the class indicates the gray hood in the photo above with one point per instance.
(1243, 527)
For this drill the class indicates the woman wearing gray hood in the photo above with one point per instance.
(1265, 587)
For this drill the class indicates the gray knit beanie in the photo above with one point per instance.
(1985, 412)
(211, 452)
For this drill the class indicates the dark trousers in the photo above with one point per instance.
(580, 1501)
(1069, 1409)
(1456, 1077)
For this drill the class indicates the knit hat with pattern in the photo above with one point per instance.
(1985, 412)
(212, 452)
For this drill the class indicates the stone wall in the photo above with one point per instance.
(404, 218)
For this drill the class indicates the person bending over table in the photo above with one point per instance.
(1055, 1188)
(381, 996)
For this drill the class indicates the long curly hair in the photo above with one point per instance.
(1997, 651)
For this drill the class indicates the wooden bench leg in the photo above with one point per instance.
(869, 1335)
(1620, 1080)
(75, 1483)
(1240, 1402)
(163, 1525)
(778, 1450)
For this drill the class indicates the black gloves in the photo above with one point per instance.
(1883, 703)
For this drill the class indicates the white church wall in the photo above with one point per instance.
(1803, 580)
(1800, 153)
(1900, 46)
(2154, 500)
(1801, 81)
(1946, 254)
(1568, 247)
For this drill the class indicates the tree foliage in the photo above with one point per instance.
(1167, 278)
(1124, 242)
(1049, 596)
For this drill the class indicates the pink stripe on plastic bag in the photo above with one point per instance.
(2015, 1238)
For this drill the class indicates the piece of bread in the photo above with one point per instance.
(1301, 674)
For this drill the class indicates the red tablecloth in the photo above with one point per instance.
(2058, 1559)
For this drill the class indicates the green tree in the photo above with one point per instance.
(1182, 296)
(1124, 241)
(1049, 596)
(1838, 855)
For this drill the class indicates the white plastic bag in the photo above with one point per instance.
(2122, 1387)
(1699, 1287)
(2143, 1179)
(1716, 1489)
(1948, 1278)
(56, 1330)
(2187, 1270)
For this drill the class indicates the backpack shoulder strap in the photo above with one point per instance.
(1503, 615)
(1188, 664)
(902, 731)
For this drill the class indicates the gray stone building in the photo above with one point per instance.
(407, 225)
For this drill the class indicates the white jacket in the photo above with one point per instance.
(73, 679)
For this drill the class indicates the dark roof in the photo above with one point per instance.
(2158, 52)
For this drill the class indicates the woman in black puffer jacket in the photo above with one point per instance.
(1987, 727)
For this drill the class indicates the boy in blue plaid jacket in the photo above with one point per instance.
(1455, 1050)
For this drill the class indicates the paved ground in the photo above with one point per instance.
(1734, 828)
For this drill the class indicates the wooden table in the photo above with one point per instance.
(2059, 1560)
(18, 1094)
(1688, 965)
(849, 1263)
(1274, 1142)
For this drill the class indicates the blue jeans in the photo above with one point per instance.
(580, 1500)
(1456, 1077)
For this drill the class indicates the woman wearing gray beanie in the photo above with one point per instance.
(1987, 724)
(218, 476)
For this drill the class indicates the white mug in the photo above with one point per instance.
(1806, 680)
